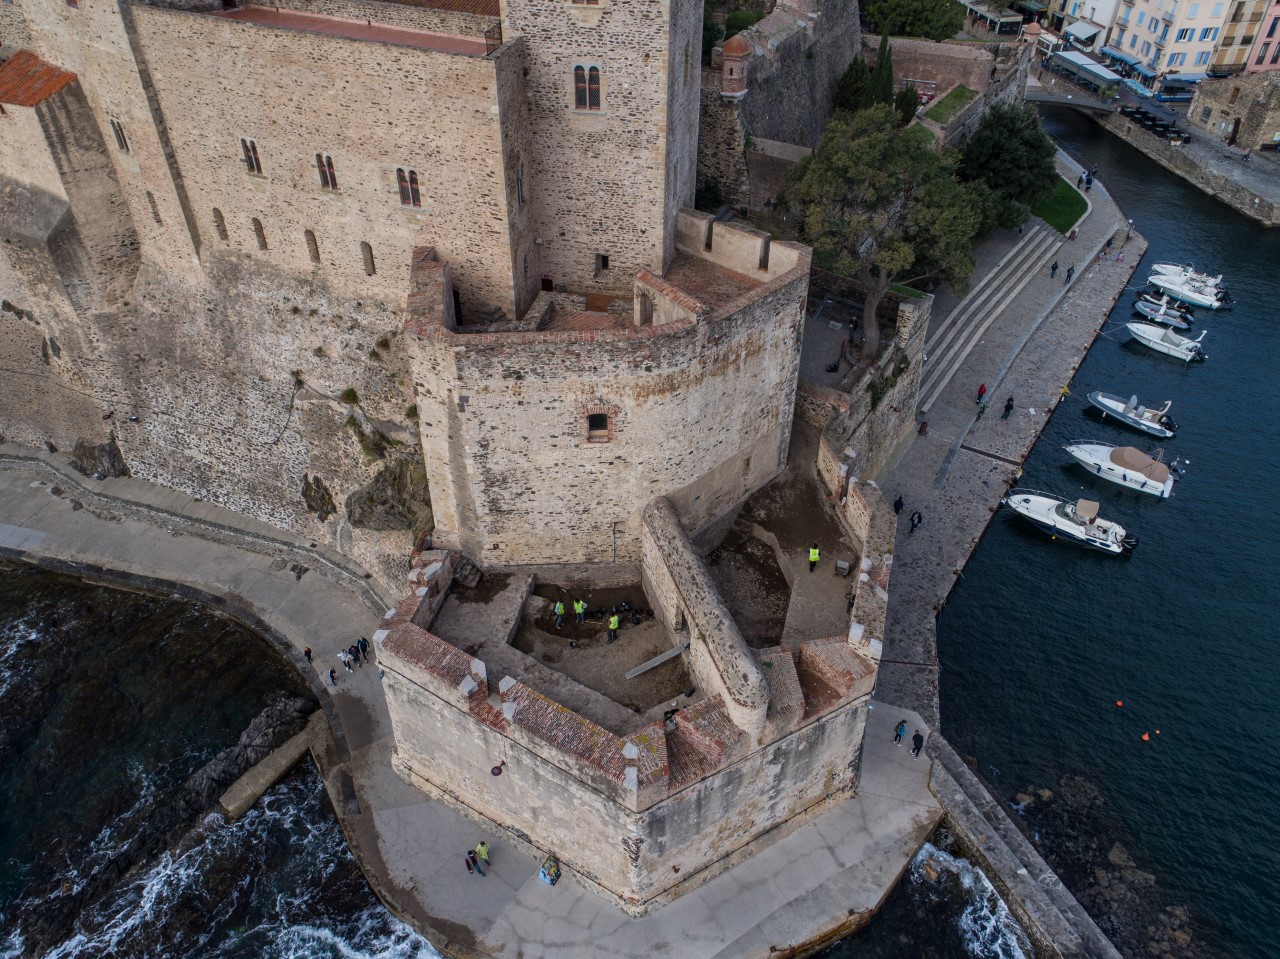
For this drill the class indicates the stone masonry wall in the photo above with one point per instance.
(298, 94)
(395, 15)
(24, 154)
(602, 175)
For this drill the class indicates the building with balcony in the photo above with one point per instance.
(1169, 36)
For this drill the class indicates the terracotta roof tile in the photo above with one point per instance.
(27, 81)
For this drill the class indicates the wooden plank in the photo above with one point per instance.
(657, 661)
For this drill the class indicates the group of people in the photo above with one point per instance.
(1086, 178)
(476, 856)
(917, 741)
(614, 616)
(357, 653)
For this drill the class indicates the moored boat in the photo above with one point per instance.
(1166, 315)
(1187, 273)
(1127, 466)
(1197, 294)
(1078, 522)
(1168, 342)
(1157, 422)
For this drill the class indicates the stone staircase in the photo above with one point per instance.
(948, 345)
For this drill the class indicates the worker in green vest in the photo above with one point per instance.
(613, 625)
(580, 610)
(814, 556)
(559, 613)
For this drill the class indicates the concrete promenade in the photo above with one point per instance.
(819, 880)
(955, 476)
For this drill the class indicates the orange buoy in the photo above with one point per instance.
(1119, 703)
(1146, 737)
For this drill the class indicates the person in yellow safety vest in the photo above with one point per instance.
(559, 613)
(580, 610)
(814, 556)
(613, 627)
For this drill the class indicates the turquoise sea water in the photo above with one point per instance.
(1040, 639)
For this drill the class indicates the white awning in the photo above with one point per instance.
(1083, 31)
(1095, 70)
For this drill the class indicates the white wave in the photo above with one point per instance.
(12, 638)
(11, 946)
(987, 928)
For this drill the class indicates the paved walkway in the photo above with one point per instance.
(821, 877)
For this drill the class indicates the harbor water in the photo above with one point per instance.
(1127, 706)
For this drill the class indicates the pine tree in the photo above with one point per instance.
(880, 89)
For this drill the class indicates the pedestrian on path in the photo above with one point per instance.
(1093, 172)
(1053, 270)
(580, 610)
(1071, 271)
(346, 660)
(1008, 408)
(559, 613)
(916, 520)
(1088, 184)
(899, 731)
(1080, 180)
(1247, 151)
(364, 648)
(814, 556)
(354, 652)
(333, 677)
(1107, 245)
(917, 744)
(982, 391)
(482, 850)
(307, 653)
(473, 862)
(897, 505)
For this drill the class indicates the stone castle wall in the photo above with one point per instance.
(395, 15)
(699, 410)
(298, 94)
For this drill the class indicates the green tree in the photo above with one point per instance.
(711, 31)
(851, 91)
(906, 103)
(931, 19)
(1011, 153)
(880, 89)
(739, 20)
(882, 207)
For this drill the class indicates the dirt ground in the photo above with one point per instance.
(751, 582)
(594, 662)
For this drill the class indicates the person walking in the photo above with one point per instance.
(916, 520)
(364, 648)
(1107, 246)
(474, 861)
(814, 556)
(897, 505)
(917, 744)
(1053, 270)
(580, 610)
(559, 613)
(482, 850)
(899, 731)
(1080, 180)
(1093, 171)
(346, 660)
(1071, 271)
(1008, 408)
(354, 652)
(1088, 184)
(333, 677)
(307, 653)
(613, 626)
(982, 391)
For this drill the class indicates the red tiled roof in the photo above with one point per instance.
(26, 80)
(481, 8)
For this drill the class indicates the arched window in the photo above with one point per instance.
(593, 88)
(367, 252)
(121, 140)
(414, 193)
(402, 182)
(324, 166)
(251, 162)
(220, 224)
(258, 232)
(579, 88)
(313, 248)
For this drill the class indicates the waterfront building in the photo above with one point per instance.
(1243, 111)
(1264, 55)
(1084, 24)
(1232, 53)
(1169, 36)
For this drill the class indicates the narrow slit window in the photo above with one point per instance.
(593, 88)
(414, 193)
(579, 88)
(313, 248)
(597, 427)
(324, 166)
(366, 251)
(121, 140)
(407, 182)
(220, 224)
(251, 162)
(402, 181)
(259, 233)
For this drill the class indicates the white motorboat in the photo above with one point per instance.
(1132, 413)
(1197, 294)
(1077, 522)
(1187, 273)
(1164, 314)
(1168, 342)
(1128, 466)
